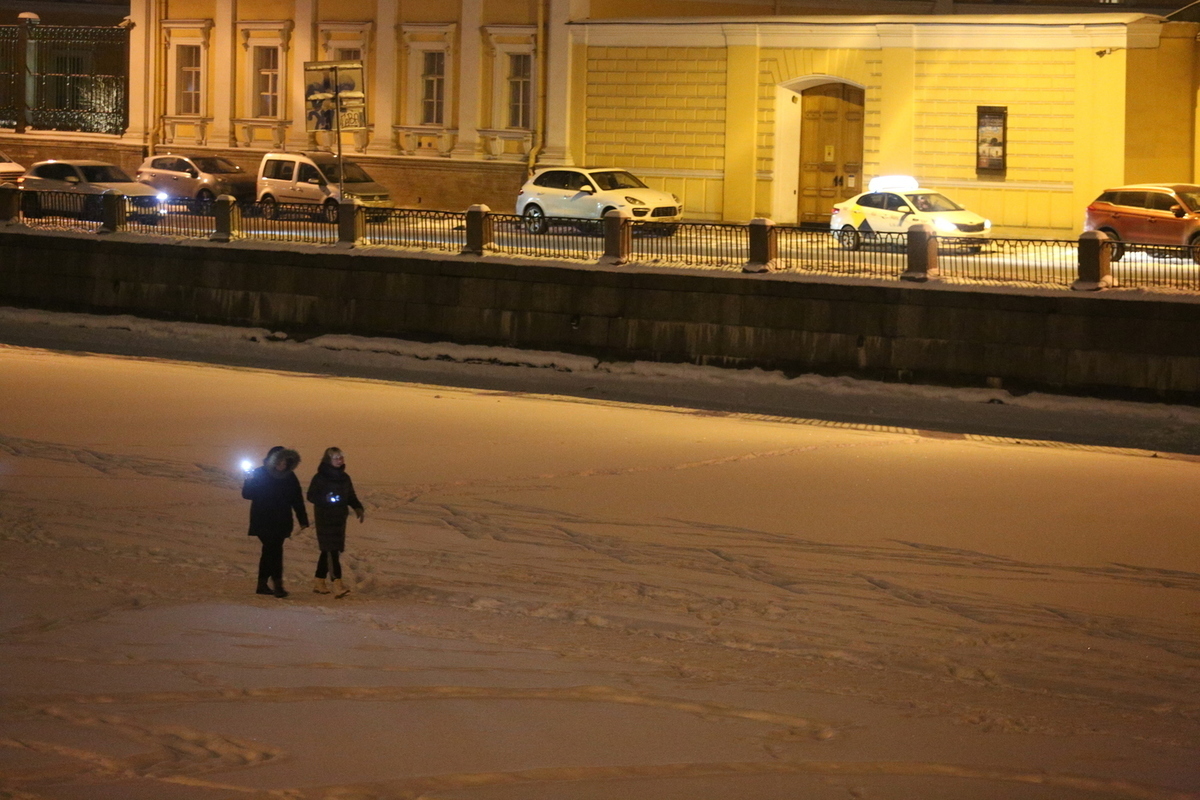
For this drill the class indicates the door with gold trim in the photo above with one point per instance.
(831, 149)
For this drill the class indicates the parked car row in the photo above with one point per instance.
(1165, 214)
(313, 178)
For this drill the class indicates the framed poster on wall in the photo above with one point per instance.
(991, 141)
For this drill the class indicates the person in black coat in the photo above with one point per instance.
(274, 494)
(332, 494)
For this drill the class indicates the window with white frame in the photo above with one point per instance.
(347, 54)
(187, 61)
(187, 77)
(514, 76)
(266, 81)
(433, 88)
(428, 74)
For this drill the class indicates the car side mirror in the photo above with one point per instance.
(192, 173)
(905, 209)
(589, 189)
(1178, 211)
(316, 181)
(72, 179)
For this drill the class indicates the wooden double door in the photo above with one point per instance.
(831, 149)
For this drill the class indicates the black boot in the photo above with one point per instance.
(263, 588)
(279, 590)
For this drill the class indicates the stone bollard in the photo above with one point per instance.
(10, 203)
(480, 230)
(351, 222)
(922, 255)
(224, 213)
(618, 237)
(1095, 263)
(764, 245)
(112, 211)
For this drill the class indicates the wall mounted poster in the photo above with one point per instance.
(335, 96)
(992, 139)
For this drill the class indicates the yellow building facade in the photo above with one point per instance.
(1024, 119)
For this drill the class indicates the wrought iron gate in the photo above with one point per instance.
(64, 78)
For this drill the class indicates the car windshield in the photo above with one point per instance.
(353, 173)
(4, 159)
(608, 181)
(104, 173)
(932, 201)
(1191, 199)
(216, 166)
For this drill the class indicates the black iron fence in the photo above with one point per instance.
(64, 77)
(1092, 262)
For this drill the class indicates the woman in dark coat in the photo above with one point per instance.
(274, 494)
(332, 494)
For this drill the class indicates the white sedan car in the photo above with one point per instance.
(74, 188)
(9, 169)
(576, 193)
(893, 204)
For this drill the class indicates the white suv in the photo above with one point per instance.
(578, 193)
(314, 178)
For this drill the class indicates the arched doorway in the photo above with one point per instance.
(831, 149)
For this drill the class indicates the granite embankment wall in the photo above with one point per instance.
(1090, 343)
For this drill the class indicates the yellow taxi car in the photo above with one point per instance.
(893, 204)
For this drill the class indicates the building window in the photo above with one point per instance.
(348, 54)
(433, 87)
(266, 81)
(520, 89)
(187, 87)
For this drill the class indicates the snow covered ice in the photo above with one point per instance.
(561, 593)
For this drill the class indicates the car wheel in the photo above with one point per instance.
(535, 219)
(848, 238)
(30, 205)
(1195, 245)
(204, 202)
(270, 208)
(93, 209)
(1118, 247)
(329, 212)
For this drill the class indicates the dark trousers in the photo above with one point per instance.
(328, 562)
(270, 563)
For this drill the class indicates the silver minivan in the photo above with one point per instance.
(316, 178)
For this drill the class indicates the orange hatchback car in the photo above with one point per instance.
(1148, 213)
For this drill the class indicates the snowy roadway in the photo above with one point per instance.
(561, 594)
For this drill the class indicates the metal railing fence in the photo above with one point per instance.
(1030, 261)
(286, 222)
(185, 218)
(711, 245)
(1157, 266)
(580, 239)
(416, 228)
(882, 255)
(62, 210)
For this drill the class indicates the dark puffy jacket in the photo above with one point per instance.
(332, 494)
(274, 495)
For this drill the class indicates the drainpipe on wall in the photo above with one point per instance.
(27, 58)
(159, 43)
(539, 135)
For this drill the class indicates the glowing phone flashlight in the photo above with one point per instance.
(247, 465)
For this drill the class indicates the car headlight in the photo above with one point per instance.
(162, 197)
(675, 197)
(634, 201)
(944, 225)
(987, 224)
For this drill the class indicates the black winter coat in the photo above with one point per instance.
(332, 494)
(274, 496)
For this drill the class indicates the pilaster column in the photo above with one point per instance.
(559, 97)
(470, 79)
(301, 50)
(223, 89)
(381, 79)
(741, 122)
(898, 85)
(143, 41)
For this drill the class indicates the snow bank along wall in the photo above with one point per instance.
(1089, 343)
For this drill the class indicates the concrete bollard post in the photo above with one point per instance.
(351, 222)
(764, 245)
(10, 202)
(922, 255)
(618, 237)
(1095, 263)
(112, 211)
(223, 218)
(480, 230)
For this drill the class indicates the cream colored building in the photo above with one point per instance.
(742, 116)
